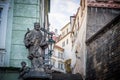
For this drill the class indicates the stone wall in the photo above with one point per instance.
(99, 17)
(103, 54)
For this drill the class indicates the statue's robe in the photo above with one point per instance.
(34, 41)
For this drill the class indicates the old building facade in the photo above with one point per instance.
(57, 60)
(78, 36)
(65, 41)
(16, 16)
(102, 40)
(103, 53)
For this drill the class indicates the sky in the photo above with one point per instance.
(60, 12)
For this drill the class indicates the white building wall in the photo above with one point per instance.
(79, 45)
(81, 49)
(56, 58)
(68, 47)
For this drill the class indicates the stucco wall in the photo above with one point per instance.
(78, 39)
(57, 59)
(25, 13)
(68, 46)
(79, 48)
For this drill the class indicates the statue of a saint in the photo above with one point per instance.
(35, 43)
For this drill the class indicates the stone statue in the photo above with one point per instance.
(35, 43)
(24, 69)
(67, 66)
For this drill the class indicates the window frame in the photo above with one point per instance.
(63, 43)
(67, 41)
(67, 30)
(3, 26)
(53, 62)
(60, 65)
(60, 55)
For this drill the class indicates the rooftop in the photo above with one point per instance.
(104, 3)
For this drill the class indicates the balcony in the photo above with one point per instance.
(58, 70)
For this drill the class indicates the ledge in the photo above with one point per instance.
(9, 69)
(104, 5)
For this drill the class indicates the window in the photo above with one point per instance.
(63, 44)
(67, 30)
(60, 55)
(1, 10)
(60, 65)
(3, 24)
(53, 63)
(63, 33)
(78, 23)
(67, 41)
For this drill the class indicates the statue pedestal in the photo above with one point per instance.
(36, 75)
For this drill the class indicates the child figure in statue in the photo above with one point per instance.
(23, 70)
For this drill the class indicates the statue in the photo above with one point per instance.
(23, 70)
(68, 66)
(35, 43)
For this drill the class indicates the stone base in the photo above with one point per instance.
(36, 75)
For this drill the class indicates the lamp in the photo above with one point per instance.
(50, 47)
(51, 44)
